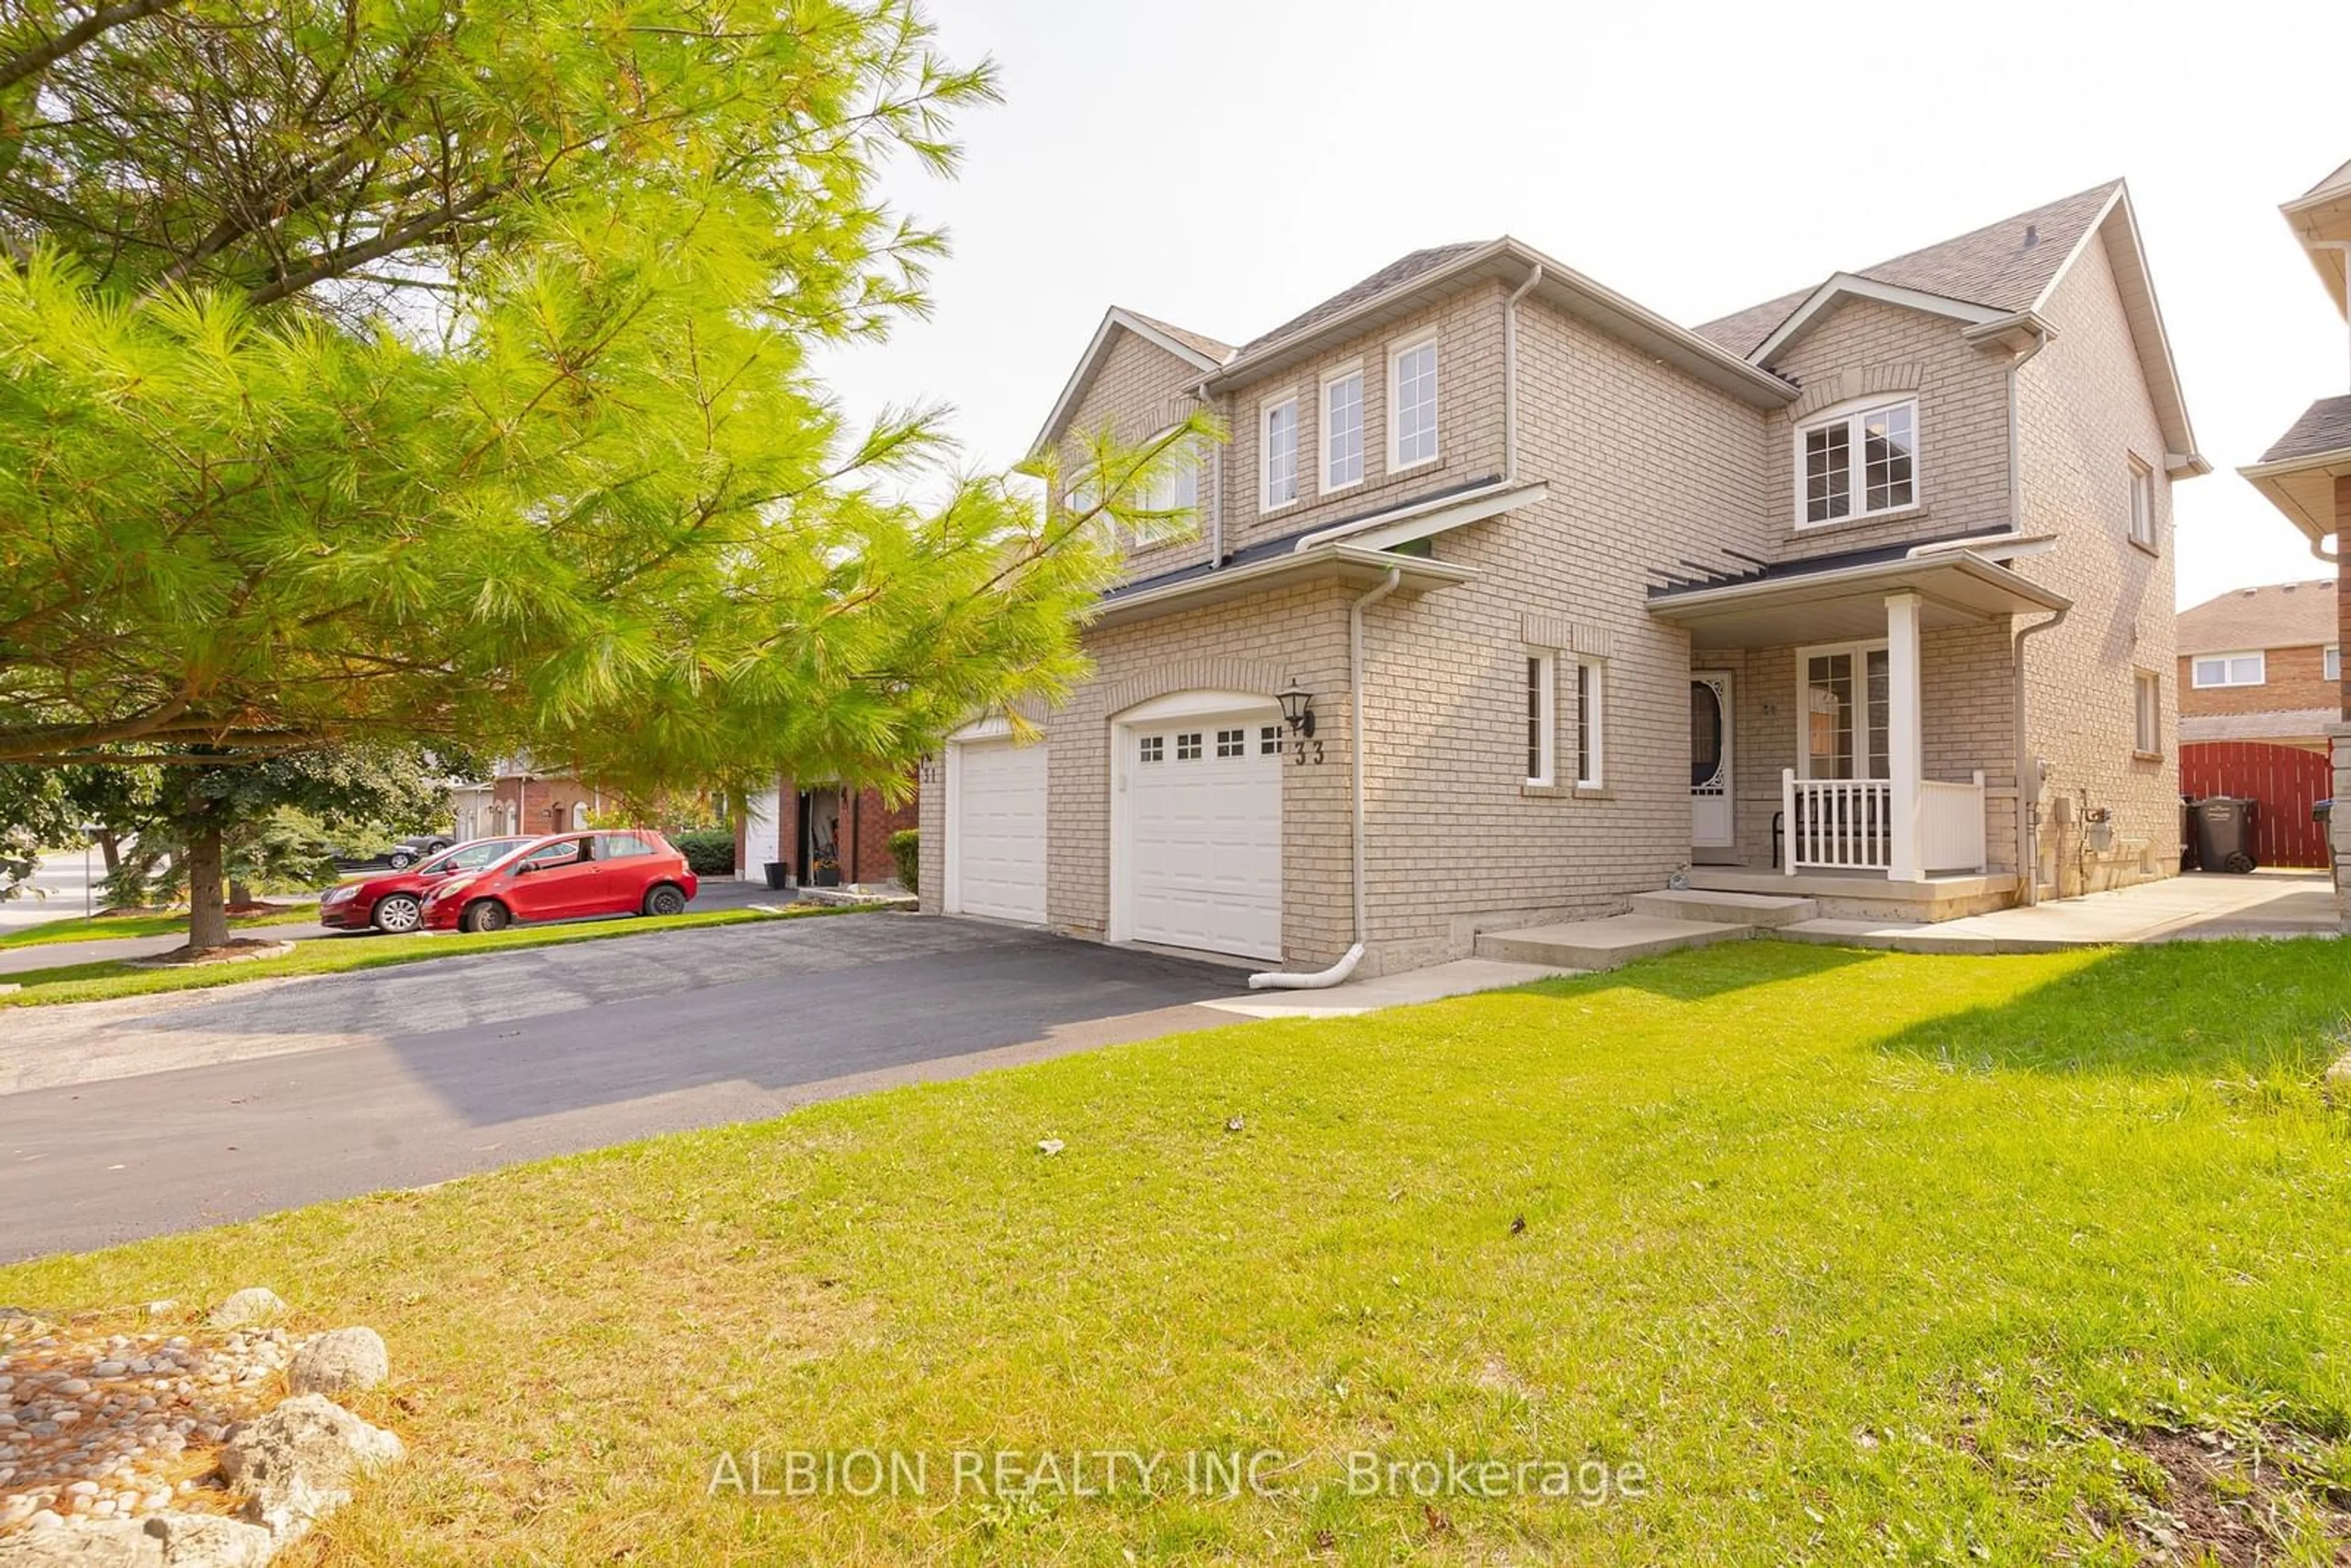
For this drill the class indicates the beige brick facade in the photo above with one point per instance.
(1652, 473)
(2083, 415)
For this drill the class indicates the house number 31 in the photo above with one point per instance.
(1303, 751)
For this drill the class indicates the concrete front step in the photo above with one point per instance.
(1727, 908)
(1605, 944)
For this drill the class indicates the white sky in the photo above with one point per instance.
(1224, 165)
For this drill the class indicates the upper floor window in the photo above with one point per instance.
(1175, 487)
(2331, 661)
(2142, 504)
(2231, 670)
(1278, 455)
(1858, 463)
(1342, 430)
(1412, 405)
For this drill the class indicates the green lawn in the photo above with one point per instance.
(335, 955)
(106, 927)
(1857, 1257)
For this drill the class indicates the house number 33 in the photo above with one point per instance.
(1302, 751)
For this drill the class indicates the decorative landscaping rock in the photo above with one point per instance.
(166, 1541)
(254, 1304)
(340, 1361)
(104, 1438)
(297, 1463)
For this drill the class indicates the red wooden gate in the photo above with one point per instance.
(2285, 780)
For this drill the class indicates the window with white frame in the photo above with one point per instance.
(1342, 430)
(1175, 487)
(2248, 669)
(2332, 663)
(1412, 405)
(1278, 455)
(2146, 706)
(1843, 705)
(1590, 690)
(1858, 463)
(1542, 711)
(2142, 504)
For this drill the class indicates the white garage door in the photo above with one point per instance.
(1204, 867)
(1000, 831)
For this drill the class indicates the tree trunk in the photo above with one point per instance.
(239, 895)
(207, 916)
(111, 847)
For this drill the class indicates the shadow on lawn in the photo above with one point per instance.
(2183, 1008)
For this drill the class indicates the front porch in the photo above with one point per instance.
(1853, 734)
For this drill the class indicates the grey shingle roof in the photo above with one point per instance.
(2276, 615)
(2003, 267)
(1400, 271)
(1201, 341)
(2324, 427)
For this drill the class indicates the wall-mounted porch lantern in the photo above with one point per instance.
(1297, 706)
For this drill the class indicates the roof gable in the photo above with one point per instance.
(2005, 266)
(1197, 349)
(2001, 271)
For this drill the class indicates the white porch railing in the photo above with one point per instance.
(1852, 824)
(1837, 824)
(1951, 825)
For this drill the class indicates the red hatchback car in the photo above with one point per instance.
(394, 902)
(564, 876)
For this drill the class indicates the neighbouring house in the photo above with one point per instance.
(514, 798)
(798, 825)
(2306, 472)
(2261, 682)
(1511, 600)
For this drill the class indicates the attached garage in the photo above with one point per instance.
(1196, 835)
(995, 829)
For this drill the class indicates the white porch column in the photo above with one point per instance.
(1906, 740)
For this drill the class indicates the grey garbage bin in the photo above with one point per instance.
(2224, 832)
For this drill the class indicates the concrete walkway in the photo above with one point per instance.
(2193, 908)
(1459, 978)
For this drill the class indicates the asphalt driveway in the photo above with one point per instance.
(127, 1118)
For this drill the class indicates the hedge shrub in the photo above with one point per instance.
(906, 849)
(709, 851)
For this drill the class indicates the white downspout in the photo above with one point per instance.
(1511, 375)
(1215, 488)
(1278, 980)
(2028, 780)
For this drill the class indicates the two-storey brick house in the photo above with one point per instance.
(1560, 598)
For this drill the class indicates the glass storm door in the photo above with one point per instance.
(1711, 797)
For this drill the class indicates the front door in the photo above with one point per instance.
(1713, 799)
